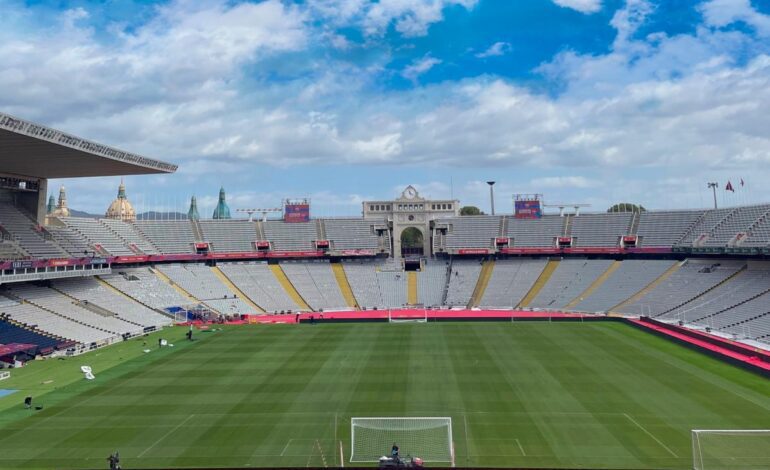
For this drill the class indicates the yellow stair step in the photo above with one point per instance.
(542, 280)
(481, 285)
(411, 287)
(289, 287)
(674, 268)
(342, 282)
(595, 285)
(234, 289)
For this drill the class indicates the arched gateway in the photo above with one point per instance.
(407, 213)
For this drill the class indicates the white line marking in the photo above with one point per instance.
(166, 435)
(287, 446)
(467, 442)
(523, 454)
(650, 434)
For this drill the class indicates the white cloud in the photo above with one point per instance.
(496, 49)
(411, 18)
(720, 13)
(549, 182)
(583, 6)
(419, 67)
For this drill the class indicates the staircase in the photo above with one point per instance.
(342, 282)
(481, 285)
(260, 231)
(234, 289)
(635, 219)
(503, 227)
(320, 229)
(649, 287)
(701, 294)
(595, 285)
(411, 288)
(568, 225)
(197, 232)
(542, 280)
(289, 287)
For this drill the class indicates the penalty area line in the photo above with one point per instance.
(651, 435)
(523, 454)
(166, 435)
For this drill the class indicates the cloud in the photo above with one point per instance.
(721, 13)
(496, 49)
(410, 18)
(419, 67)
(564, 182)
(583, 6)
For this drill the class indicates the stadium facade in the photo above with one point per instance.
(706, 269)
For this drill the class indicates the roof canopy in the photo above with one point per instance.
(32, 150)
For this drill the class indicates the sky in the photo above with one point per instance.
(341, 101)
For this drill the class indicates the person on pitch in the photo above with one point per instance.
(394, 451)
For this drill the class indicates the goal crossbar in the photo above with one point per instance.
(730, 448)
(429, 438)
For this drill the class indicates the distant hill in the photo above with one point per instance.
(77, 213)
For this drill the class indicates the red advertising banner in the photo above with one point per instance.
(473, 251)
(293, 213)
(528, 209)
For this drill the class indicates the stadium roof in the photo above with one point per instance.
(29, 149)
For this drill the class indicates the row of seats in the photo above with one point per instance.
(511, 280)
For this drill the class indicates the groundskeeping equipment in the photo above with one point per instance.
(428, 438)
(739, 449)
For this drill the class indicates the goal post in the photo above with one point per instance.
(411, 317)
(738, 449)
(429, 438)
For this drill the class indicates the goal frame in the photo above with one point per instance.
(697, 451)
(408, 319)
(446, 419)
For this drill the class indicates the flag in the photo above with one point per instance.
(729, 187)
(741, 181)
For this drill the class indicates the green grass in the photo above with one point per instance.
(600, 395)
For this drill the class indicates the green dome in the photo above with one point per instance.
(222, 211)
(51, 204)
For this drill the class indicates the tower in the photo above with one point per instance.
(192, 214)
(61, 209)
(221, 211)
(51, 205)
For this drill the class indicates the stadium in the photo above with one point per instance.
(526, 340)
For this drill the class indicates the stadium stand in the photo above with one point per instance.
(98, 234)
(257, 282)
(630, 278)
(510, 281)
(144, 286)
(201, 283)
(70, 240)
(351, 234)
(758, 234)
(36, 318)
(61, 305)
(291, 236)
(693, 279)
(169, 236)
(393, 288)
(462, 281)
(432, 283)
(665, 228)
(600, 229)
(14, 333)
(571, 278)
(703, 226)
(89, 290)
(737, 221)
(535, 232)
(129, 235)
(315, 282)
(229, 235)
(476, 231)
(362, 276)
(27, 234)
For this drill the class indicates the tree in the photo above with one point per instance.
(470, 210)
(626, 207)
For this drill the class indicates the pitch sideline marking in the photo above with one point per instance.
(650, 434)
(287, 446)
(467, 442)
(166, 435)
(523, 454)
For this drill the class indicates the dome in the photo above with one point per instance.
(121, 208)
(61, 209)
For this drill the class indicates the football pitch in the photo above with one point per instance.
(534, 394)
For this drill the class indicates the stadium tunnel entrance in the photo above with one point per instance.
(412, 242)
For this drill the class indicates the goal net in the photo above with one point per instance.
(408, 317)
(730, 449)
(427, 438)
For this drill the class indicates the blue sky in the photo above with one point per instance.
(585, 101)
